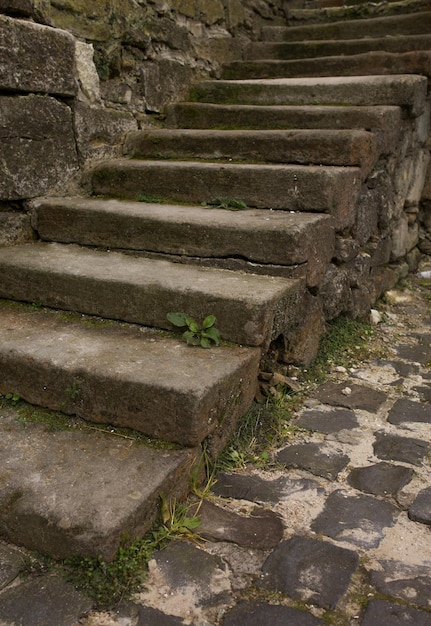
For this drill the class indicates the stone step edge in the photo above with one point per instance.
(320, 189)
(94, 487)
(334, 30)
(367, 63)
(193, 234)
(324, 147)
(383, 121)
(296, 17)
(406, 90)
(127, 376)
(321, 48)
(250, 309)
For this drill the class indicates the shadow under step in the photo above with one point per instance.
(309, 49)
(369, 63)
(325, 189)
(250, 309)
(323, 147)
(377, 27)
(305, 242)
(408, 91)
(384, 121)
(126, 376)
(78, 491)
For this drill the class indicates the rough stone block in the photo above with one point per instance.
(185, 7)
(404, 237)
(39, 10)
(235, 13)
(99, 132)
(335, 292)
(37, 150)
(94, 9)
(417, 182)
(87, 72)
(15, 228)
(212, 11)
(39, 58)
(367, 215)
(81, 26)
(163, 82)
(301, 343)
(423, 124)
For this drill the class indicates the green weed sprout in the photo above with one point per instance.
(203, 335)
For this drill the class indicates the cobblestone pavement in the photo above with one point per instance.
(338, 534)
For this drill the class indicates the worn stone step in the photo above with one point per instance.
(250, 309)
(296, 16)
(368, 63)
(326, 189)
(388, 26)
(305, 242)
(77, 491)
(126, 376)
(403, 90)
(326, 147)
(383, 121)
(310, 49)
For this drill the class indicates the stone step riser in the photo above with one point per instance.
(397, 25)
(325, 147)
(332, 190)
(401, 90)
(305, 242)
(384, 122)
(121, 376)
(143, 291)
(314, 49)
(370, 63)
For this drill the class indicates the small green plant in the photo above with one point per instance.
(203, 335)
(346, 343)
(73, 391)
(176, 522)
(227, 203)
(146, 197)
(14, 398)
(110, 583)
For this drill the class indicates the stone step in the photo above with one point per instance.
(305, 241)
(325, 4)
(325, 189)
(312, 49)
(72, 490)
(390, 26)
(325, 147)
(126, 376)
(408, 91)
(368, 63)
(383, 121)
(250, 309)
(355, 11)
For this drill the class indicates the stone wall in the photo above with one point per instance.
(389, 234)
(80, 74)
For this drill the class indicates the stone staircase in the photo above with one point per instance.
(327, 152)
